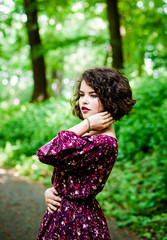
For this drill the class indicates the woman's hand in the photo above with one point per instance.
(100, 121)
(51, 199)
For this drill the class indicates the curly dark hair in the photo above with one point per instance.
(112, 88)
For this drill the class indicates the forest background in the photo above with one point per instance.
(44, 46)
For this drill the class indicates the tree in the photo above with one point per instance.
(37, 58)
(115, 36)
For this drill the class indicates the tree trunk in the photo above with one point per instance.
(57, 75)
(141, 62)
(38, 64)
(115, 36)
(108, 54)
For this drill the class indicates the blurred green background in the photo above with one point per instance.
(44, 46)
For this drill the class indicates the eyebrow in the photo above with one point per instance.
(89, 92)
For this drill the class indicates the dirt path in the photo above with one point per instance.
(22, 207)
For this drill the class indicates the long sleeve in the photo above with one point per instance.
(68, 150)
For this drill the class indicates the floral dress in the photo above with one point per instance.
(82, 166)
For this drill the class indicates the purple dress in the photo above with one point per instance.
(82, 166)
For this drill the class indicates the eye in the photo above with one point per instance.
(93, 95)
(81, 94)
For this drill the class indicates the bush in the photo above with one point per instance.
(27, 127)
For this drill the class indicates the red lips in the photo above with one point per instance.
(85, 108)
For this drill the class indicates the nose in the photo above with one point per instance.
(85, 99)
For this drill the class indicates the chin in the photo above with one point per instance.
(88, 115)
(85, 116)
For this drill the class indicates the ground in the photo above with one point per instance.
(22, 209)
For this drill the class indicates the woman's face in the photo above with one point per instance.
(89, 102)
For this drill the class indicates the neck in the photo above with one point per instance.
(110, 128)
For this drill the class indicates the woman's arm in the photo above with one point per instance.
(60, 151)
(95, 122)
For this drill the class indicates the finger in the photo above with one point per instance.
(110, 119)
(104, 113)
(49, 210)
(52, 208)
(107, 116)
(50, 201)
(56, 198)
(54, 191)
(110, 123)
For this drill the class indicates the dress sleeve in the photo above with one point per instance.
(69, 151)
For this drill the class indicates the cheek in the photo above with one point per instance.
(97, 105)
(79, 102)
(100, 106)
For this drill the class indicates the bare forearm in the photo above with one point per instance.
(81, 128)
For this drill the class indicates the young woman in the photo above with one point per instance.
(83, 158)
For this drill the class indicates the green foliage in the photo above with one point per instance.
(146, 125)
(75, 36)
(27, 127)
(141, 33)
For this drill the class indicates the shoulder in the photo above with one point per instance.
(106, 141)
(109, 140)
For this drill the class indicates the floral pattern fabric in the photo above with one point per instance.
(82, 166)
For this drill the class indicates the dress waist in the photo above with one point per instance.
(89, 199)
